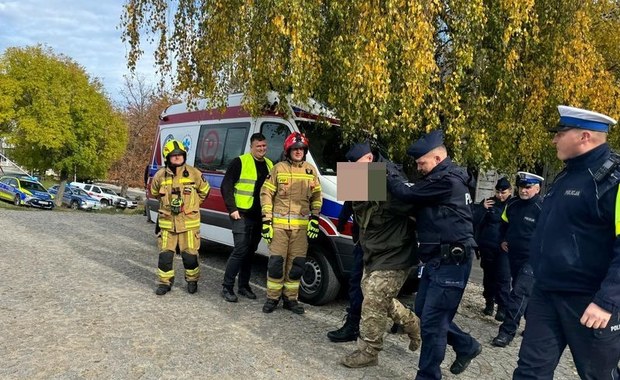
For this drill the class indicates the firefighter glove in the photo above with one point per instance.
(267, 231)
(313, 227)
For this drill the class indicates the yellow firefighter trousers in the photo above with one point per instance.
(188, 244)
(287, 260)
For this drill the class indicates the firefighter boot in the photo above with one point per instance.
(270, 305)
(489, 308)
(192, 287)
(359, 359)
(348, 332)
(293, 306)
(162, 289)
(412, 329)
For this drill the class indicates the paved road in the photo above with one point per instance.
(77, 302)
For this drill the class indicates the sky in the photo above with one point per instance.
(85, 30)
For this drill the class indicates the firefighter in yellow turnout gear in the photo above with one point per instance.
(180, 189)
(291, 201)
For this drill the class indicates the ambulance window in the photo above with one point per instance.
(219, 144)
(275, 133)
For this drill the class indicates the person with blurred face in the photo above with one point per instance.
(493, 260)
(386, 236)
(520, 216)
(576, 298)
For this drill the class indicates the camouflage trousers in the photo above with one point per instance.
(380, 289)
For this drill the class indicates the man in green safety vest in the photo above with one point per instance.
(241, 192)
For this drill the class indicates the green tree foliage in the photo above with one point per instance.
(55, 116)
(489, 72)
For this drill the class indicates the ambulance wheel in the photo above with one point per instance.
(319, 284)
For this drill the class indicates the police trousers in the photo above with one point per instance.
(188, 243)
(380, 289)
(287, 261)
(523, 281)
(496, 275)
(440, 292)
(552, 324)
(356, 296)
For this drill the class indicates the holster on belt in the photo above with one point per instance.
(454, 253)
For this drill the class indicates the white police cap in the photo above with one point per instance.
(525, 179)
(571, 117)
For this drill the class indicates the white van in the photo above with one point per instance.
(213, 138)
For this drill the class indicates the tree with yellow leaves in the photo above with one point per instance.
(489, 72)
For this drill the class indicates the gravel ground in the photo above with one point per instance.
(77, 302)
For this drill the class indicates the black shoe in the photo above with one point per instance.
(500, 315)
(347, 333)
(501, 340)
(229, 295)
(294, 306)
(270, 305)
(462, 362)
(489, 308)
(246, 292)
(192, 287)
(162, 289)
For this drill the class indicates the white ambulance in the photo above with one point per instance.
(213, 138)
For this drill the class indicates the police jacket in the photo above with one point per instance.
(184, 183)
(290, 194)
(519, 221)
(442, 202)
(575, 247)
(241, 185)
(488, 224)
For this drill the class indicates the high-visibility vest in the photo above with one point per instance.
(244, 188)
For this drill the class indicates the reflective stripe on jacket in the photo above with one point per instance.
(244, 187)
(291, 193)
(188, 186)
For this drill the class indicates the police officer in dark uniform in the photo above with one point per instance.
(493, 260)
(576, 257)
(445, 235)
(520, 216)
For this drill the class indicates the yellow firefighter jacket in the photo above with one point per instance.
(291, 193)
(188, 186)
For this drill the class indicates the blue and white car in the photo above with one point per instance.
(25, 191)
(76, 198)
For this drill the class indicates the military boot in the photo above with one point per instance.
(359, 359)
(348, 332)
(293, 306)
(489, 308)
(412, 329)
